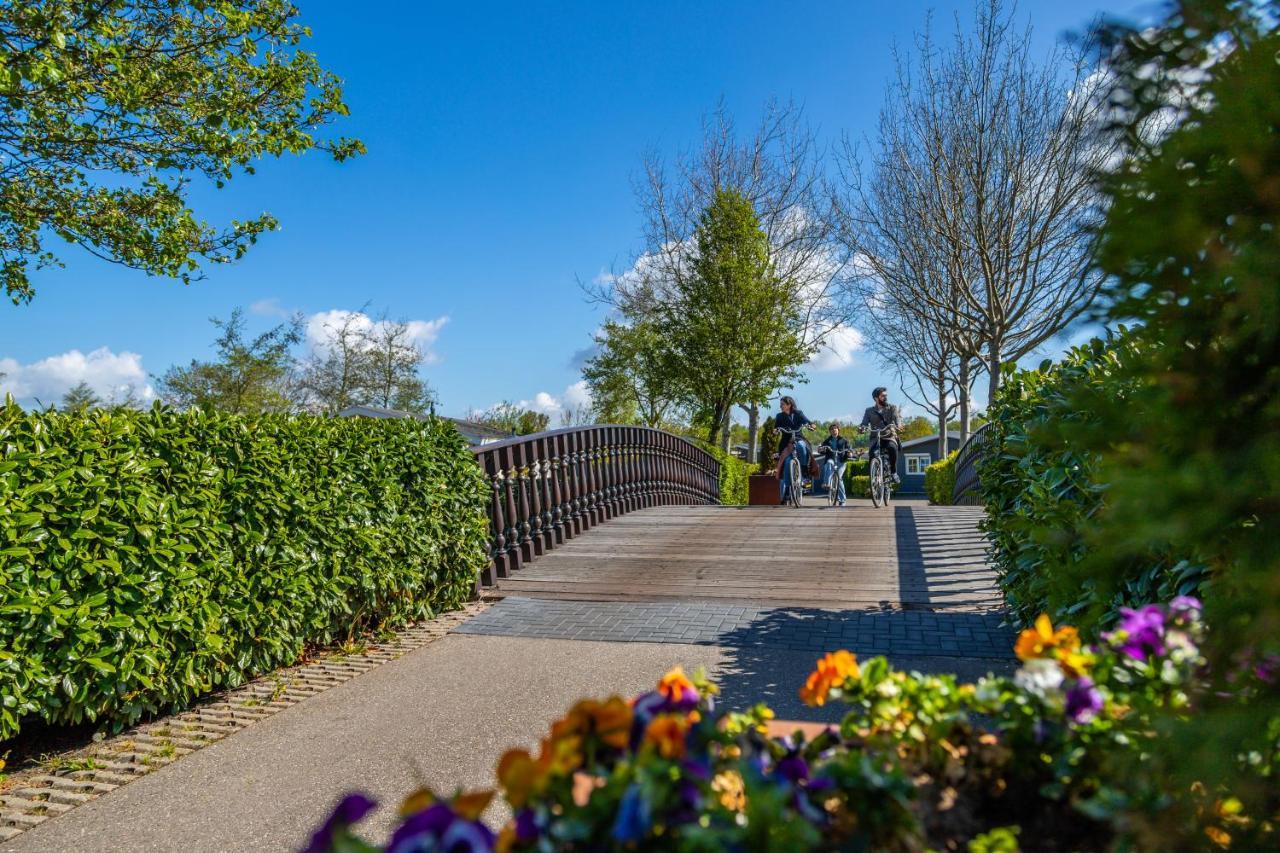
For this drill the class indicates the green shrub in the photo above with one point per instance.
(151, 557)
(1043, 493)
(940, 480)
(733, 475)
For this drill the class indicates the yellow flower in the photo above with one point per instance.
(833, 670)
(1062, 645)
(1218, 836)
(471, 806)
(520, 776)
(675, 685)
(417, 801)
(732, 790)
(609, 721)
(666, 733)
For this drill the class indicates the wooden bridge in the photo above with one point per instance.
(664, 537)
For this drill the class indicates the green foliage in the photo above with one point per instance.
(734, 327)
(1191, 250)
(733, 475)
(248, 376)
(917, 427)
(79, 397)
(940, 480)
(633, 377)
(364, 361)
(1043, 492)
(509, 417)
(109, 109)
(151, 557)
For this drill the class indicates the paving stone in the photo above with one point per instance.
(943, 633)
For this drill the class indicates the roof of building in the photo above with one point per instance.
(928, 438)
(470, 429)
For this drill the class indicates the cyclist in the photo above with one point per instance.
(793, 419)
(879, 417)
(837, 448)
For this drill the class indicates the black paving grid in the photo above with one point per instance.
(888, 632)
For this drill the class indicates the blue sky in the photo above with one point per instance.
(502, 143)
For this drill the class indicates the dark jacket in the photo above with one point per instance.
(794, 420)
(836, 443)
(878, 418)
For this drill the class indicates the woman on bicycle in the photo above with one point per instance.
(790, 418)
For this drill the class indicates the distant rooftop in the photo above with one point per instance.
(473, 432)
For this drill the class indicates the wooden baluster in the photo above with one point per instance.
(511, 479)
(650, 467)
(574, 473)
(498, 543)
(559, 513)
(519, 455)
(610, 473)
(590, 473)
(533, 464)
(629, 469)
(543, 485)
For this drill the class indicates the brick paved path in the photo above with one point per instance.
(866, 632)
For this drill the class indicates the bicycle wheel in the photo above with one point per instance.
(797, 484)
(833, 487)
(877, 482)
(888, 487)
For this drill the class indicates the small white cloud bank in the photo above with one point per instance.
(838, 350)
(575, 401)
(113, 376)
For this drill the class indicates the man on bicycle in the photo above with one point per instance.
(837, 448)
(883, 417)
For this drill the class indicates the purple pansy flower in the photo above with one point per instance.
(1144, 631)
(1084, 701)
(526, 826)
(351, 809)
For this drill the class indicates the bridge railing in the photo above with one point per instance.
(551, 486)
(966, 488)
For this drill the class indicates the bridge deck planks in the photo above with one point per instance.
(909, 556)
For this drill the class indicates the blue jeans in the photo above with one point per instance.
(828, 470)
(801, 450)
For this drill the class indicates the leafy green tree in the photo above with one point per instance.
(80, 397)
(364, 362)
(736, 331)
(108, 109)
(249, 375)
(634, 377)
(917, 427)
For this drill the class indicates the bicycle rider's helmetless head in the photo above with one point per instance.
(881, 396)
(834, 429)
(788, 405)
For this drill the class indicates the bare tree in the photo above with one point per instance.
(985, 164)
(393, 359)
(332, 377)
(778, 168)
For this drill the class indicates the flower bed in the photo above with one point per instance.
(1053, 756)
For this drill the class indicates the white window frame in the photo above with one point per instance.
(917, 457)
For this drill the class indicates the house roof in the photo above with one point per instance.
(470, 429)
(916, 442)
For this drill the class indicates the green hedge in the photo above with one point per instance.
(940, 480)
(1043, 494)
(147, 558)
(733, 475)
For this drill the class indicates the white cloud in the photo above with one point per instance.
(574, 398)
(268, 308)
(838, 349)
(111, 375)
(322, 328)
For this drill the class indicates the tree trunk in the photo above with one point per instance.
(753, 430)
(717, 420)
(942, 417)
(993, 373)
(726, 433)
(965, 383)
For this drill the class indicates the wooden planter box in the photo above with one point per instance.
(762, 490)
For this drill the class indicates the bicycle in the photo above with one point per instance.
(793, 479)
(881, 477)
(837, 471)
